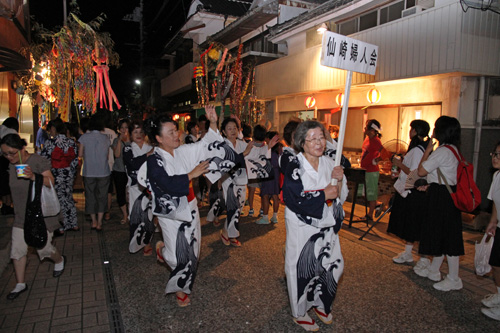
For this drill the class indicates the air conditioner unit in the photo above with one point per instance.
(411, 11)
(425, 4)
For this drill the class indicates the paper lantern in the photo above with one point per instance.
(373, 96)
(340, 99)
(310, 102)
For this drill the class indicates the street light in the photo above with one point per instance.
(138, 82)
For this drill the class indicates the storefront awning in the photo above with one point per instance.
(11, 61)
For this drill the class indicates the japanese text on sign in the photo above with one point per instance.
(342, 52)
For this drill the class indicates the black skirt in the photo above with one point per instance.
(442, 225)
(407, 215)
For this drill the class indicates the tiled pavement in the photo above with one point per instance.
(84, 298)
(76, 301)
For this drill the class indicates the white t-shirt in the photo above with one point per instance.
(494, 194)
(443, 158)
(411, 160)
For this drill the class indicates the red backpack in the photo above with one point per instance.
(467, 196)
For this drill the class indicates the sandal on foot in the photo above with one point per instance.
(327, 319)
(235, 242)
(107, 217)
(159, 246)
(307, 323)
(123, 221)
(224, 239)
(147, 252)
(183, 301)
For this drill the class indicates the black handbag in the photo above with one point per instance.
(35, 231)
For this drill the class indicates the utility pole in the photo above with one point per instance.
(137, 16)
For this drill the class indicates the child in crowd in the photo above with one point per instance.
(271, 187)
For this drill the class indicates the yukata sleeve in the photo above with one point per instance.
(47, 150)
(74, 163)
(193, 154)
(305, 204)
(132, 163)
(162, 183)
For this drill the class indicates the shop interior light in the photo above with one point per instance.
(340, 99)
(418, 114)
(176, 117)
(373, 96)
(322, 28)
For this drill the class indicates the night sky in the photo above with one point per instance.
(162, 19)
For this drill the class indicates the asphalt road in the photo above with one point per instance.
(244, 289)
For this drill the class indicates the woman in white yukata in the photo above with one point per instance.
(170, 170)
(313, 216)
(234, 183)
(134, 156)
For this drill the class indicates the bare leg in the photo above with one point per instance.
(20, 268)
(276, 203)
(124, 212)
(100, 216)
(496, 275)
(371, 208)
(94, 220)
(251, 193)
(265, 204)
(56, 257)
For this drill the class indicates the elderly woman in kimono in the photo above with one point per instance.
(313, 216)
(170, 170)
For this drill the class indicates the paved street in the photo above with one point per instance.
(104, 288)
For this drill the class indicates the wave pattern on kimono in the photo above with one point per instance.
(184, 272)
(331, 151)
(258, 162)
(142, 227)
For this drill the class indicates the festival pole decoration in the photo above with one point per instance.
(342, 52)
(63, 66)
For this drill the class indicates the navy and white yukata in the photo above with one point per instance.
(313, 260)
(63, 155)
(176, 206)
(234, 189)
(141, 219)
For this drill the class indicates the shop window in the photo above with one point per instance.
(368, 21)
(393, 12)
(349, 27)
(493, 100)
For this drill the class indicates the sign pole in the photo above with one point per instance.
(343, 118)
(343, 122)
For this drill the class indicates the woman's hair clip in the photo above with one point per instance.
(152, 124)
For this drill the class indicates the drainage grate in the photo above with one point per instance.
(115, 316)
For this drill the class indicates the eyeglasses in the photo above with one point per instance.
(495, 155)
(316, 140)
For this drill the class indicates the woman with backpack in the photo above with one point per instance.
(442, 222)
(408, 205)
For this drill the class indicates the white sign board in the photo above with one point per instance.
(342, 52)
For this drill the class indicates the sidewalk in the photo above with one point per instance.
(88, 297)
(76, 301)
